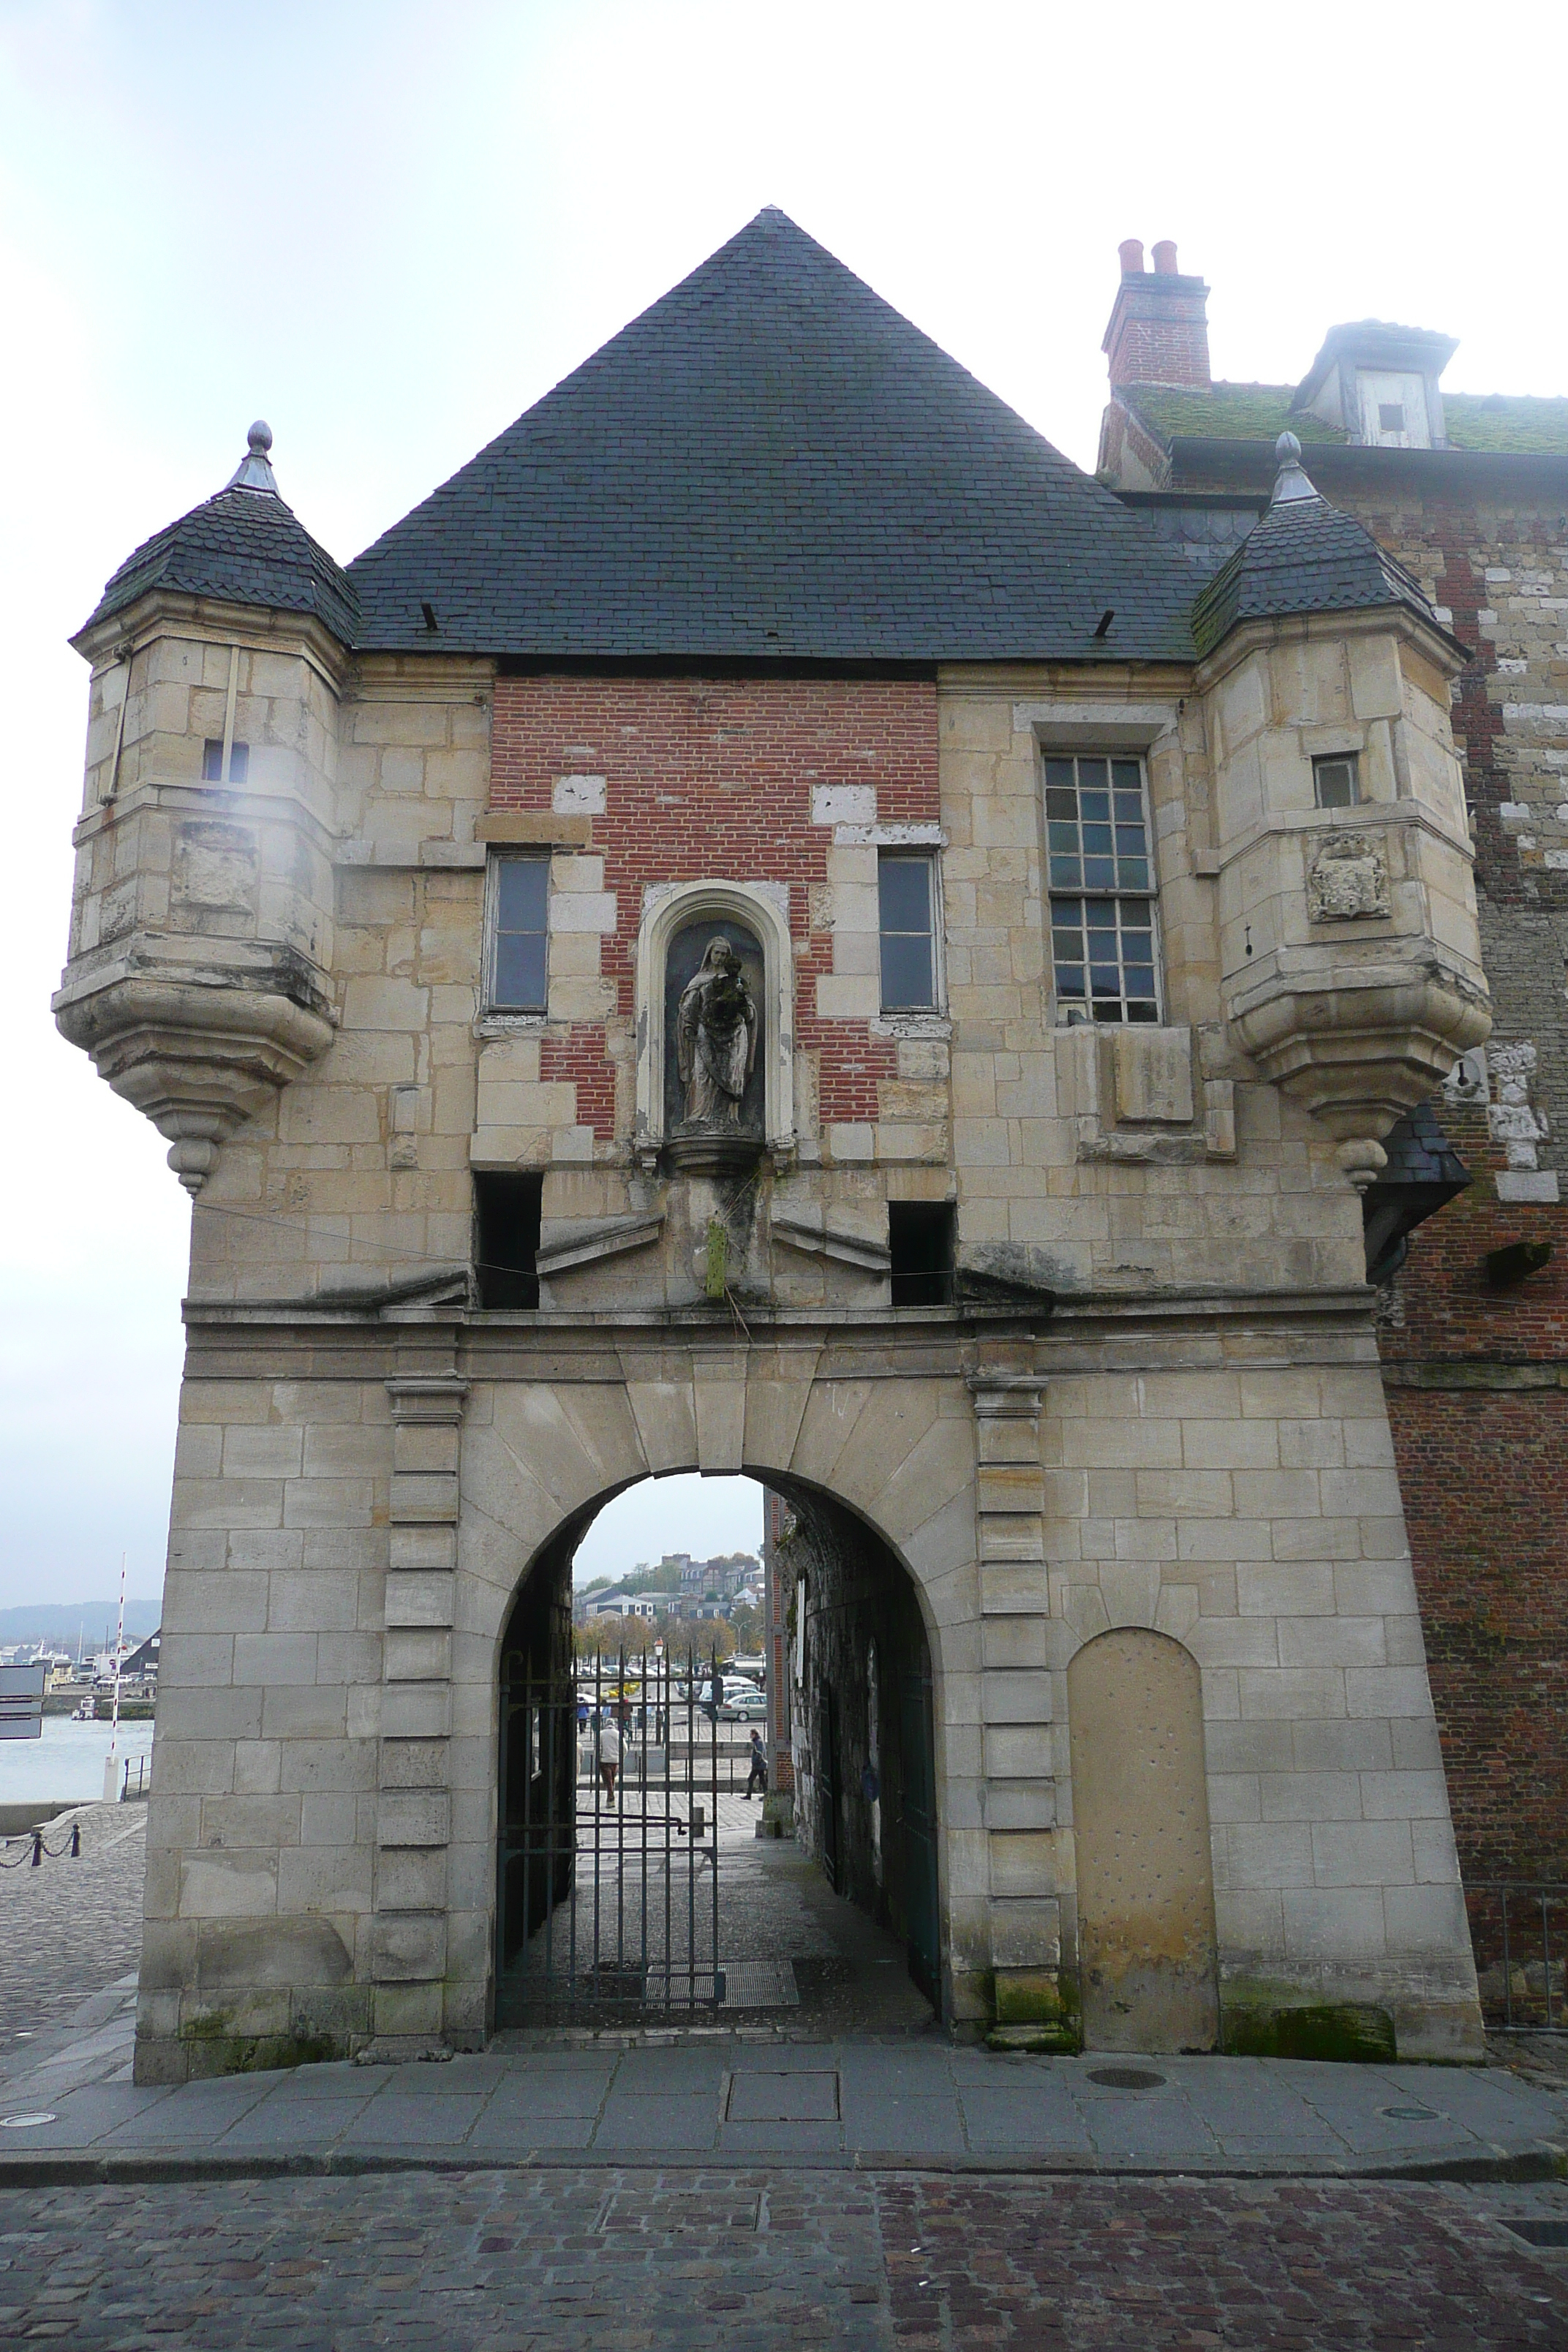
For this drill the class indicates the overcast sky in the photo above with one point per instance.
(388, 228)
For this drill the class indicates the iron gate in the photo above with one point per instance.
(608, 1900)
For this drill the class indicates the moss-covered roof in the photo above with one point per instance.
(1499, 422)
(1226, 412)
(1490, 424)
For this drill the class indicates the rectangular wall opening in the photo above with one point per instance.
(506, 1238)
(920, 1238)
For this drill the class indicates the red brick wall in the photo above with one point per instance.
(1480, 1435)
(714, 777)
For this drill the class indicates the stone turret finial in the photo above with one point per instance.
(253, 472)
(1292, 481)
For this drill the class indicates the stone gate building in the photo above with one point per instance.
(992, 1195)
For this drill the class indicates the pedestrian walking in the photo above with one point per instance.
(758, 1778)
(609, 1754)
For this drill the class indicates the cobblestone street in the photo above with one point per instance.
(651, 2262)
(71, 1926)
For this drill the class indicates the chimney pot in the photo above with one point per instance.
(1165, 258)
(1131, 252)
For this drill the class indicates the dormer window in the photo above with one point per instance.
(1392, 409)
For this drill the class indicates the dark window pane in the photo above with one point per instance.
(1060, 803)
(1097, 839)
(1059, 776)
(1063, 836)
(1099, 873)
(1091, 775)
(1132, 873)
(905, 893)
(520, 968)
(524, 893)
(1124, 775)
(1066, 873)
(906, 973)
(1096, 807)
(1336, 782)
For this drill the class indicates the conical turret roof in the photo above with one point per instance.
(1304, 556)
(771, 462)
(243, 547)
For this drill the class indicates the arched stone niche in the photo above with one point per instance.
(678, 918)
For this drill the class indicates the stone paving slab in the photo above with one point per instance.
(825, 2103)
(734, 2258)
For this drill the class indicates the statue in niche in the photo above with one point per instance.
(716, 1037)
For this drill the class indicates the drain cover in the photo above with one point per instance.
(25, 2122)
(1127, 2078)
(1410, 2114)
(1539, 2233)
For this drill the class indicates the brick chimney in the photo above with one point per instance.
(1158, 329)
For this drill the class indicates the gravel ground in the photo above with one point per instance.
(70, 1928)
(777, 2261)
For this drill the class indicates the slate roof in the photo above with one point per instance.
(1304, 556)
(772, 463)
(1490, 424)
(244, 547)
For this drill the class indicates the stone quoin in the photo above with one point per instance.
(1030, 1273)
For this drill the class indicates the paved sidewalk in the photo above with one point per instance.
(72, 1925)
(69, 2108)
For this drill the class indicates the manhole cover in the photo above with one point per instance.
(1410, 2114)
(1127, 2078)
(25, 2122)
(1539, 2233)
(758, 2097)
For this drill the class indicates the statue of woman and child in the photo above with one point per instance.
(716, 1038)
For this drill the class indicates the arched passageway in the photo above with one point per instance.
(864, 1725)
(652, 1890)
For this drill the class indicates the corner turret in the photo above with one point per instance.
(1349, 955)
(200, 927)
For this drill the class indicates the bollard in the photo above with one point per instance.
(37, 1847)
(76, 1839)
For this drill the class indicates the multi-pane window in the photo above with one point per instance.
(212, 762)
(1335, 783)
(906, 891)
(1102, 890)
(518, 952)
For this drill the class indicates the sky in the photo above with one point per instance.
(389, 227)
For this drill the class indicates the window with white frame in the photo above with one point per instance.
(520, 904)
(906, 894)
(1103, 932)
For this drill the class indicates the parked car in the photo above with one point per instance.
(735, 1697)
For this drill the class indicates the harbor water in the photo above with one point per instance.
(65, 1764)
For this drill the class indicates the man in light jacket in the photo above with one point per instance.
(609, 1753)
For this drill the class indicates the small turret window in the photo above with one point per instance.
(212, 762)
(1335, 782)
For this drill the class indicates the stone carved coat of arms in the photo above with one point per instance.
(1347, 878)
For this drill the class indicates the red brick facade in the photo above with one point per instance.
(714, 777)
(1479, 1414)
